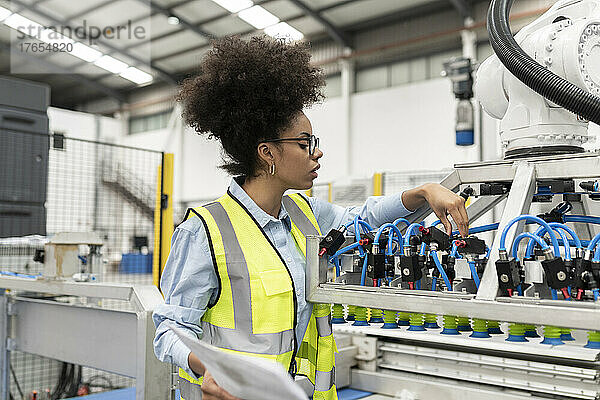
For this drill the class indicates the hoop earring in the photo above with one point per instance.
(272, 169)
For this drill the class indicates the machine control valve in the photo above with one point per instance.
(583, 277)
(557, 186)
(433, 235)
(368, 239)
(410, 268)
(590, 186)
(492, 189)
(509, 276)
(557, 274)
(471, 245)
(557, 213)
(595, 267)
(331, 243)
(376, 266)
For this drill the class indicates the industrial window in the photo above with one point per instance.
(152, 122)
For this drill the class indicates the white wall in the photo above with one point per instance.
(402, 128)
(81, 125)
(409, 127)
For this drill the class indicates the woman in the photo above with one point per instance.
(235, 273)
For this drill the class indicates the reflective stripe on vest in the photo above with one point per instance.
(248, 268)
(300, 213)
(189, 387)
(302, 224)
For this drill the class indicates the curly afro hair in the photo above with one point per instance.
(247, 92)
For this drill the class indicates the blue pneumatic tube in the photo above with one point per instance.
(533, 218)
(440, 269)
(393, 230)
(409, 232)
(556, 226)
(515, 246)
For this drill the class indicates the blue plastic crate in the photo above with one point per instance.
(135, 263)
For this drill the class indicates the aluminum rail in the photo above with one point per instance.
(112, 340)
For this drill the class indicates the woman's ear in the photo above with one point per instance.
(265, 153)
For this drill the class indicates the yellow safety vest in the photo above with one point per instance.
(255, 312)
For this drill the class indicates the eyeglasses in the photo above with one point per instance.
(312, 140)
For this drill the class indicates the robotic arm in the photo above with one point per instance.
(545, 91)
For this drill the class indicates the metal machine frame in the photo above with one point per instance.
(84, 335)
(524, 175)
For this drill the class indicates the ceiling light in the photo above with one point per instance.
(24, 25)
(173, 20)
(234, 6)
(284, 31)
(84, 52)
(111, 64)
(258, 17)
(137, 76)
(4, 13)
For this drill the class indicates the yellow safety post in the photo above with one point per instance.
(329, 192)
(378, 184)
(163, 216)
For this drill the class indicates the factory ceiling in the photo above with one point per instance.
(93, 48)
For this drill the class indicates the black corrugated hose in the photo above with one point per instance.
(532, 74)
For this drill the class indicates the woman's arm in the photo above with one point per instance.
(195, 364)
(188, 283)
(443, 202)
(378, 210)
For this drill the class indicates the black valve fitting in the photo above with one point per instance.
(376, 265)
(331, 243)
(410, 268)
(509, 276)
(557, 274)
(433, 235)
(470, 245)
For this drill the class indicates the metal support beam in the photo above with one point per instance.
(70, 333)
(248, 32)
(347, 83)
(526, 310)
(85, 335)
(67, 22)
(518, 202)
(151, 381)
(584, 231)
(184, 22)
(336, 34)
(426, 387)
(77, 77)
(4, 353)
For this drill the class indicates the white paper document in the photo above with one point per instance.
(248, 378)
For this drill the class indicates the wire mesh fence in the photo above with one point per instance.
(351, 194)
(356, 191)
(321, 191)
(396, 182)
(88, 186)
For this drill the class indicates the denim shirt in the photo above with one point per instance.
(189, 282)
